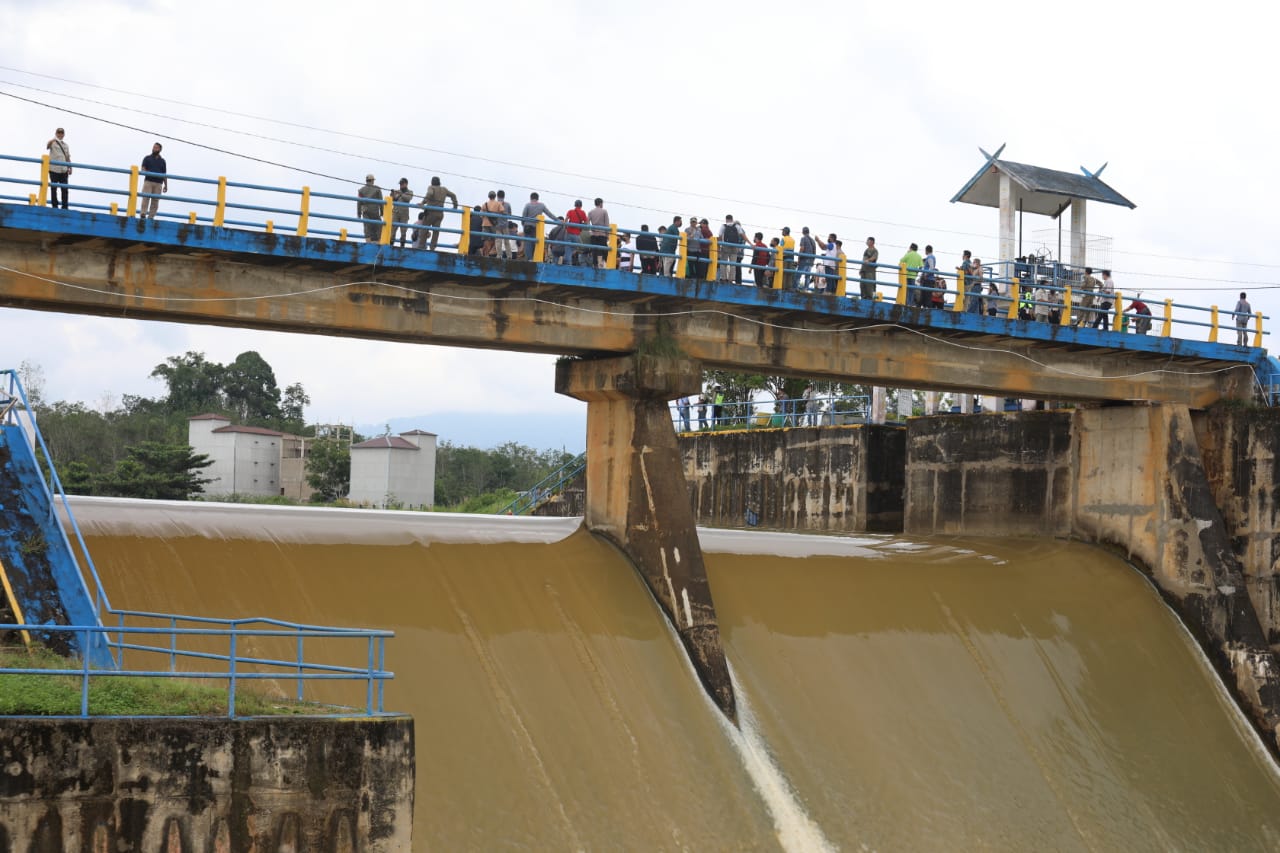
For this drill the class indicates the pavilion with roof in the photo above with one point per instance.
(1017, 188)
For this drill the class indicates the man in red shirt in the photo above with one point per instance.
(760, 261)
(572, 232)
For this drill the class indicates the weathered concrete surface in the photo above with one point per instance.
(195, 274)
(830, 479)
(1241, 452)
(637, 497)
(1002, 474)
(1130, 477)
(206, 785)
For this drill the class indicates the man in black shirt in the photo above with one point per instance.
(155, 182)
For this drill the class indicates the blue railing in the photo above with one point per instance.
(546, 487)
(689, 254)
(814, 410)
(236, 665)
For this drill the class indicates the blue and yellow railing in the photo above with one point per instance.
(304, 212)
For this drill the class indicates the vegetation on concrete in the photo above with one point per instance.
(59, 695)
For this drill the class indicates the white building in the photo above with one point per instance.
(395, 470)
(249, 460)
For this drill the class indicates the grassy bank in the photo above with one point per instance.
(55, 695)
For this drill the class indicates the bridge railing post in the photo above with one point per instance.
(682, 255)
(1213, 327)
(1167, 329)
(960, 294)
(133, 192)
(304, 215)
(902, 285)
(1065, 320)
(1117, 308)
(464, 241)
(1015, 294)
(713, 259)
(779, 268)
(43, 197)
(842, 275)
(388, 217)
(540, 235)
(220, 211)
(1257, 330)
(611, 262)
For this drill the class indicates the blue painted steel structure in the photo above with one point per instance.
(59, 610)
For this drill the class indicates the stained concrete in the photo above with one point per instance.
(197, 785)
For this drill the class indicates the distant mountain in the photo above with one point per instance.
(469, 429)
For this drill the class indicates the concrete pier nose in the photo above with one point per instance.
(637, 496)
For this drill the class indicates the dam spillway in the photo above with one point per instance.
(915, 693)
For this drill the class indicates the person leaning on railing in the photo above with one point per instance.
(433, 204)
(532, 210)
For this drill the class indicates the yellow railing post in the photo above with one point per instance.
(1118, 308)
(304, 215)
(960, 293)
(44, 181)
(1213, 329)
(32, 198)
(1066, 307)
(271, 227)
(902, 285)
(779, 268)
(464, 242)
(1015, 294)
(133, 192)
(191, 218)
(388, 216)
(220, 212)
(342, 235)
(682, 255)
(1257, 330)
(611, 262)
(713, 259)
(842, 275)
(540, 235)
(1167, 331)
(115, 209)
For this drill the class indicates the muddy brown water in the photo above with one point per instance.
(943, 694)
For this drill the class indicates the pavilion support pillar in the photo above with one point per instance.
(637, 497)
(1008, 218)
(1079, 239)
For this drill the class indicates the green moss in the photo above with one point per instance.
(120, 695)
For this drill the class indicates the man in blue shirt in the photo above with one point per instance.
(155, 182)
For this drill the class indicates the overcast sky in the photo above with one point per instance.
(863, 119)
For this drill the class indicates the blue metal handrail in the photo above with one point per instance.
(546, 487)
(819, 410)
(15, 409)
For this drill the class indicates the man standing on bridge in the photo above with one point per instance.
(530, 214)
(369, 211)
(867, 273)
(433, 207)
(671, 245)
(400, 215)
(1243, 312)
(155, 182)
(913, 262)
(59, 168)
(599, 219)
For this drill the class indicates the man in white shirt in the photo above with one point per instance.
(59, 171)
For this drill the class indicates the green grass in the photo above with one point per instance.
(54, 695)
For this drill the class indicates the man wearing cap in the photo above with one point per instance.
(59, 170)
(370, 209)
(400, 215)
(867, 272)
(155, 182)
(433, 207)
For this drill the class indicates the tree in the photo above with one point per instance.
(156, 471)
(292, 410)
(31, 375)
(195, 385)
(250, 390)
(329, 469)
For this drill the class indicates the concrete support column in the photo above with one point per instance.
(637, 496)
(877, 405)
(931, 402)
(1008, 220)
(1079, 243)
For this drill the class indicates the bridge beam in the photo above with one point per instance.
(637, 497)
(331, 288)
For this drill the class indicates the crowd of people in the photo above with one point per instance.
(581, 237)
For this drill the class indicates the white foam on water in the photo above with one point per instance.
(796, 830)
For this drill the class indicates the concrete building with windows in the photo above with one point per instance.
(249, 460)
(395, 471)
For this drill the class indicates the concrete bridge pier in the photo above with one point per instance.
(637, 497)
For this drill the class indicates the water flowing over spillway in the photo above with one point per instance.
(903, 694)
